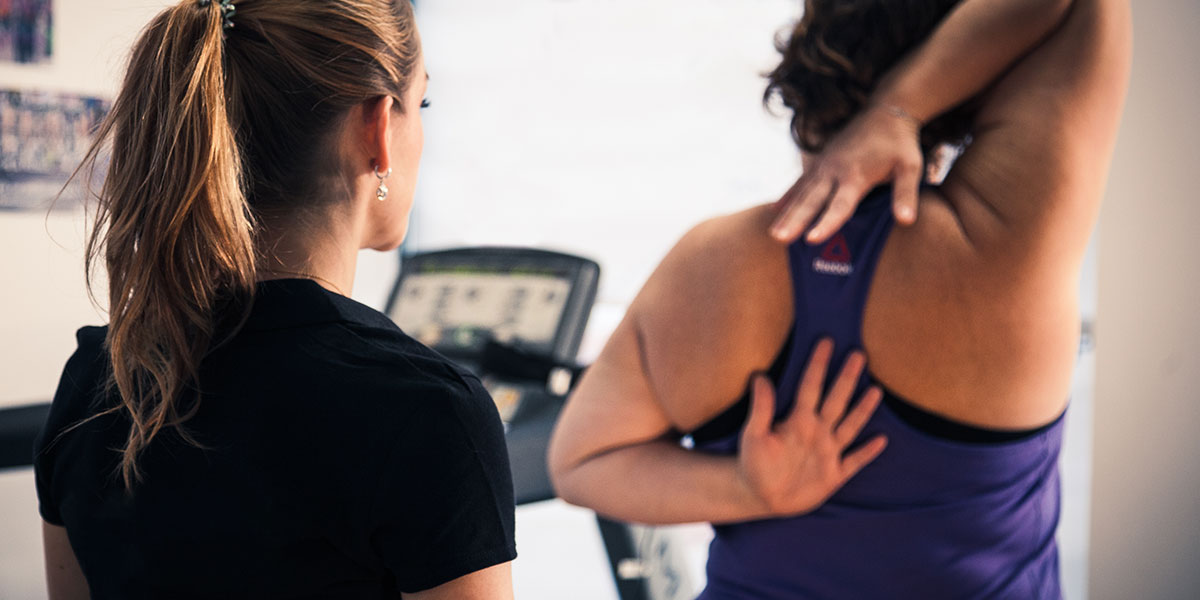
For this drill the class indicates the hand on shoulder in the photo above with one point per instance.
(881, 145)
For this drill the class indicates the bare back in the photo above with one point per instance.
(940, 330)
(972, 314)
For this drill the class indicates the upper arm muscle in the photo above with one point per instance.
(1045, 136)
(718, 309)
(64, 578)
(711, 314)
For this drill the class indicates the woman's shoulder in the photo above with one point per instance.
(91, 336)
(301, 330)
(722, 254)
(384, 370)
(85, 371)
(84, 378)
(717, 309)
(303, 350)
(389, 353)
(402, 390)
(747, 229)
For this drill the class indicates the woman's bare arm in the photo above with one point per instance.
(713, 313)
(977, 43)
(1051, 75)
(64, 578)
(611, 450)
(969, 51)
(492, 583)
(1044, 139)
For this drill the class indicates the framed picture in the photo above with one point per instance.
(43, 138)
(26, 29)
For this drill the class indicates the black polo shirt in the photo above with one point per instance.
(341, 459)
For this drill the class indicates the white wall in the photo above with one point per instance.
(1146, 507)
(43, 299)
(605, 128)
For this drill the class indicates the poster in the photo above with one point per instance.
(43, 138)
(26, 30)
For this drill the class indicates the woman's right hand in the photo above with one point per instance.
(793, 466)
(880, 145)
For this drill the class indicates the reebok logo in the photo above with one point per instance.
(835, 258)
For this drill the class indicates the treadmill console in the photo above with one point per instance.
(456, 301)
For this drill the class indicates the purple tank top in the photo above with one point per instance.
(931, 517)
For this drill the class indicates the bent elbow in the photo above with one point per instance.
(558, 467)
(566, 492)
(565, 465)
(565, 485)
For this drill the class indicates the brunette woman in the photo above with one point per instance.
(242, 428)
(968, 315)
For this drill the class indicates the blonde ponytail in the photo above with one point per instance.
(173, 221)
(215, 125)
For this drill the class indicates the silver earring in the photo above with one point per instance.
(381, 194)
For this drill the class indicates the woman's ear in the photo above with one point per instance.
(377, 132)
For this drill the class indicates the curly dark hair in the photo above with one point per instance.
(836, 55)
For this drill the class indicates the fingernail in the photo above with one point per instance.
(906, 213)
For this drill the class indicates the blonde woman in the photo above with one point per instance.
(242, 428)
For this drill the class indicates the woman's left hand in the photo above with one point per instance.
(880, 145)
(793, 466)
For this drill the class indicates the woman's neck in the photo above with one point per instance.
(327, 254)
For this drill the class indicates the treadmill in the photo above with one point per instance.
(515, 317)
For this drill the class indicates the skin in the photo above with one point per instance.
(375, 134)
(972, 313)
(64, 578)
(984, 285)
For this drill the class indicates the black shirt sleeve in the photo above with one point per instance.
(47, 507)
(444, 507)
(75, 388)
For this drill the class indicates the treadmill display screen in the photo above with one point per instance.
(457, 308)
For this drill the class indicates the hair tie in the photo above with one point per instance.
(227, 11)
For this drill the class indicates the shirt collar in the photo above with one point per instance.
(285, 303)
